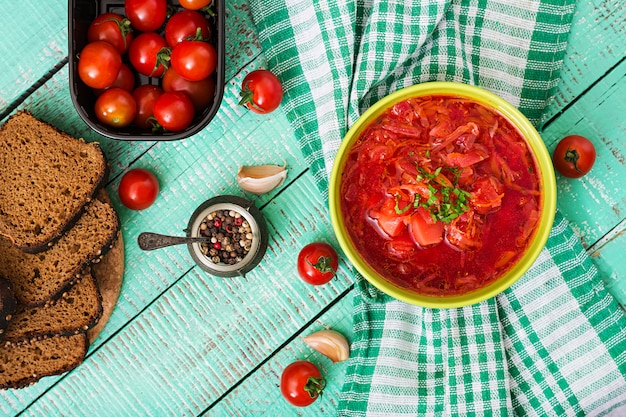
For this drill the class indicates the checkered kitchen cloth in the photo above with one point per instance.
(552, 345)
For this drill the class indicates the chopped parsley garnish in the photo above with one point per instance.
(446, 201)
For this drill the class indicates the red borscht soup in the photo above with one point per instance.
(440, 195)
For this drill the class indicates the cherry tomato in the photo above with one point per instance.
(138, 189)
(145, 96)
(184, 25)
(261, 91)
(301, 383)
(125, 80)
(146, 54)
(194, 4)
(111, 28)
(574, 156)
(173, 111)
(116, 107)
(194, 60)
(146, 15)
(317, 263)
(99, 64)
(200, 92)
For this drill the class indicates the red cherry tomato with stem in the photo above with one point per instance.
(317, 263)
(194, 60)
(173, 111)
(138, 189)
(146, 15)
(145, 96)
(99, 64)
(185, 25)
(301, 383)
(574, 156)
(261, 91)
(200, 92)
(111, 28)
(148, 53)
(116, 107)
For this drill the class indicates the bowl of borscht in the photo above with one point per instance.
(442, 194)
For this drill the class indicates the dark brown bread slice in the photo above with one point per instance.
(46, 179)
(39, 278)
(75, 311)
(8, 304)
(24, 364)
(109, 274)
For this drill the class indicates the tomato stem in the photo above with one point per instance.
(208, 9)
(247, 98)
(315, 386)
(124, 26)
(572, 156)
(197, 36)
(163, 58)
(323, 264)
(156, 127)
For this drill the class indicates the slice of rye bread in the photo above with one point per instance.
(46, 179)
(40, 278)
(24, 364)
(8, 304)
(77, 310)
(109, 274)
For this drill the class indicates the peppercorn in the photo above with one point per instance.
(231, 237)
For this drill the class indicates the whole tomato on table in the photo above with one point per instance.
(261, 91)
(138, 189)
(317, 263)
(301, 383)
(574, 156)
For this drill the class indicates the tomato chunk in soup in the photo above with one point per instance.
(440, 195)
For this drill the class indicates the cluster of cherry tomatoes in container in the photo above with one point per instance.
(151, 64)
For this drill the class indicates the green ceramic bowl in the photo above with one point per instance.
(548, 200)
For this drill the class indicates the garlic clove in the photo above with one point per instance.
(329, 343)
(261, 179)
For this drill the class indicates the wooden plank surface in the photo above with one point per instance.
(182, 342)
(257, 395)
(595, 203)
(595, 46)
(34, 40)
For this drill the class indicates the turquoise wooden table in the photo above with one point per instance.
(182, 342)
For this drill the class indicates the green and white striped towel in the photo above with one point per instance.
(552, 345)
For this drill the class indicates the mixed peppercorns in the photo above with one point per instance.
(231, 237)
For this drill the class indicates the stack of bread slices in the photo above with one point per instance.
(55, 222)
